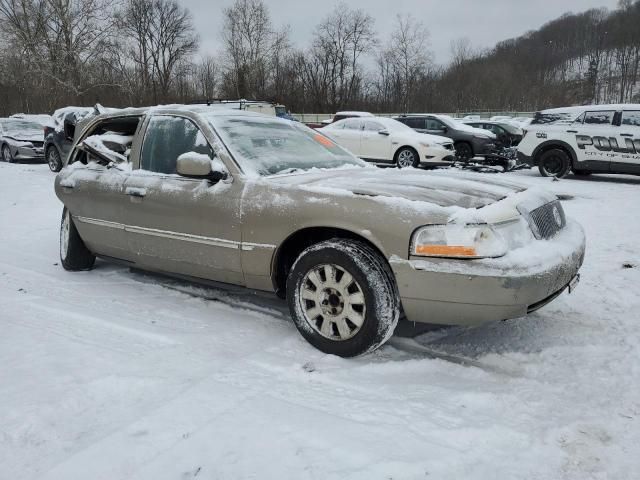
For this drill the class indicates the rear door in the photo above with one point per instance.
(93, 193)
(350, 135)
(178, 224)
(374, 145)
(627, 159)
(590, 134)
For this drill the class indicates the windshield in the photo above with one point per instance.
(21, 126)
(267, 146)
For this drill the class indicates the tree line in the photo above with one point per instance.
(120, 53)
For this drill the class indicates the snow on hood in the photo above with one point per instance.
(444, 189)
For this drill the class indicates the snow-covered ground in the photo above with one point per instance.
(112, 375)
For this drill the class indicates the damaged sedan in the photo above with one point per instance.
(21, 140)
(238, 198)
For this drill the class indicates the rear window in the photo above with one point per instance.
(631, 118)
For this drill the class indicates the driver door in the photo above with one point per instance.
(177, 224)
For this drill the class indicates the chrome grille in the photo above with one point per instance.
(546, 221)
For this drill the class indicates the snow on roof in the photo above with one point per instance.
(585, 108)
(356, 114)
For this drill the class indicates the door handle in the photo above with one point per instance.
(572, 131)
(136, 192)
(626, 134)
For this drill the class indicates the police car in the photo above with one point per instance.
(588, 139)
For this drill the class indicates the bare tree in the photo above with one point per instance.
(252, 46)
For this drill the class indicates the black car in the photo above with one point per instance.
(469, 142)
(58, 136)
(506, 134)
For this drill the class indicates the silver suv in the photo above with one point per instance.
(269, 204)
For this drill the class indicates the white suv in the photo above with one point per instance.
(602, 139)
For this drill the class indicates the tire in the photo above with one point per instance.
(407, 157)
(54, 160)
(554, 163)
(464, 151)
(6, 154)
(340, 315)
(74, 255)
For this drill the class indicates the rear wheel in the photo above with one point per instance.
(53, 159)
(6, 154)
(554, 163)
(407, 157)
(342, 297)
(74, 255)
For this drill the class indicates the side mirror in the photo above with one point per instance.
(199, 165)
(384, 132)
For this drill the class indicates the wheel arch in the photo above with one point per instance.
(291, 248)
(399, 149)
(553, 144)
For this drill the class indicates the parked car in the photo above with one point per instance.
(603, 139)
(272, 205)
(21, 140)
(387, 141)
(59, 133)
(468, 141)
(507, 135)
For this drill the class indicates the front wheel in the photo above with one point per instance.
(342, 297)
(554, 163)
(6, 154)
(53, 159)
(464, 151)
(74, 254)
(407, 157)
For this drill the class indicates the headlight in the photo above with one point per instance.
(458, 241)
(426, 144)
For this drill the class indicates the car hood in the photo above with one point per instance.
(442, 188)
(26, 136)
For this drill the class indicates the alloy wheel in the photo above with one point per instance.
(332, 302)
(406, 158)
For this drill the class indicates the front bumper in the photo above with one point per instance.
(473, 292)
(439, 156)
(28, 153)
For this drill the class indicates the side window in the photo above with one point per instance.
(631, 119)
(373, 126)
(414, 122)
(598, 118)
(166, 139)
(353, 124)
(433, 124)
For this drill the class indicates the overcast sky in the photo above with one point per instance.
(484, 22)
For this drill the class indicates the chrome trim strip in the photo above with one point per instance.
(247, 247)
(216, 242)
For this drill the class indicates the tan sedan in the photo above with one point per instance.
(269, 204)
